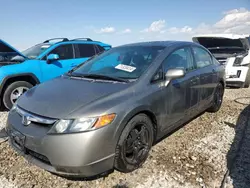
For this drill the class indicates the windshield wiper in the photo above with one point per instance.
(103, 77)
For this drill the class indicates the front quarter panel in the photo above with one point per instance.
(29, 66)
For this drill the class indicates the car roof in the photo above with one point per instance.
(72, 41)
(80, 41)
(158, 43)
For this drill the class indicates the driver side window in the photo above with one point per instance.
(64, 52)
(181, 58)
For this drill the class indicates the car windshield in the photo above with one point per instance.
(123, 62)
(35, 51)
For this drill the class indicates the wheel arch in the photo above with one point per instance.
(140, 110)
(223, 83)
(28, 77)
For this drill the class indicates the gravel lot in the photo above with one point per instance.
(197, 155)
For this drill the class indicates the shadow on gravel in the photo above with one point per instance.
(238, 157)
(103, 175)
(177, 128)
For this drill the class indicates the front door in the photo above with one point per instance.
(60, 66)
(180, 94)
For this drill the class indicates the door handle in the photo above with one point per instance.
(213, 70)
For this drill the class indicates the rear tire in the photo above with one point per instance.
(14, 91)
(218, 99)
(134, 144)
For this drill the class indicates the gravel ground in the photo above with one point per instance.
(197, 155)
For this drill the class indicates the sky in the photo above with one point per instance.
(27, 22)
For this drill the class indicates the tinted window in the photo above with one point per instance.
(100, 49)
(64, 51)
(181, 58)
(215, 61)
(202, 57)
(86, 50)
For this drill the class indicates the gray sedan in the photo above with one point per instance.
(108, 112)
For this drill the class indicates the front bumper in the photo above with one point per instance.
(80, 155)
(236, 76)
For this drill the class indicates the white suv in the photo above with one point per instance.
(233, 52)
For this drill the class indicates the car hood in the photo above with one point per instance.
(6, 48)
(222, 42)
(59, 97)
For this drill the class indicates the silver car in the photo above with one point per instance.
(108, 112)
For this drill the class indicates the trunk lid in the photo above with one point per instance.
(7, 51)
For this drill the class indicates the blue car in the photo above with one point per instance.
(52, 58)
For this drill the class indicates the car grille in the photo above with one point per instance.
(38, 156)
(222, 60)
(28, 118)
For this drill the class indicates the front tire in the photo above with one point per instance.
(14, 91)
(218, 98)
(134, 144)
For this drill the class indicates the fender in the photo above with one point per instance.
(18, 75)
(131, 113)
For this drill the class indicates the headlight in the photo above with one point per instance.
(82, 124)
(238, 61)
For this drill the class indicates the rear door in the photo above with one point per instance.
(207, 74)
(83, 52)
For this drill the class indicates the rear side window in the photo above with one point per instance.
(64, 51)
(100, 48)
(215, 61)
(202, 57)
(86, 50)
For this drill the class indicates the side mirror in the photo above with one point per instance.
(175, 73)
(52, 57)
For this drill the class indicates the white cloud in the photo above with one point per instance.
(106, 30)
(236, 21)
(156, 26)
(234, 18)
(126, 31)
(185, 29)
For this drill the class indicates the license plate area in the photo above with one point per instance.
(17, 139)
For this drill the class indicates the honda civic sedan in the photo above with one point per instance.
(108, 112)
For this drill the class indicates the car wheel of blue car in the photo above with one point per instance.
(14, 91)
(134, 144)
